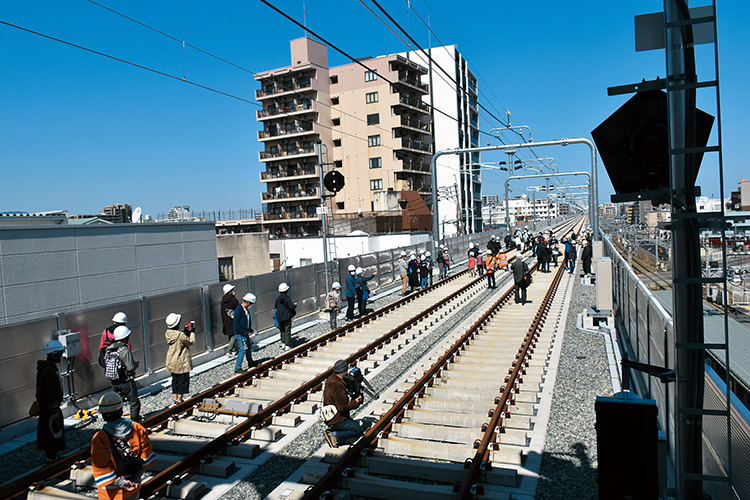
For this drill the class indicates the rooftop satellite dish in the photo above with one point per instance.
(136, 217)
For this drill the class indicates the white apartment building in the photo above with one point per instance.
(454, 94)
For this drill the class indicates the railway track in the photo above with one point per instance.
(207, 438)
(462, 423)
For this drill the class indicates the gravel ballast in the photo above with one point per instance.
(569, 462)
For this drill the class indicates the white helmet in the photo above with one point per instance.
(428, 254)
(421, 255)
(351, 268)
(173, 319)
(53, 346)
(403, 253)
(283, 287)
(121, 332)
(249, 297)
(336, 285)
(228, 288)
(360, 270)
(120, 317)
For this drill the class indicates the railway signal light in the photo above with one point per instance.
(334, 181)
(634, 143)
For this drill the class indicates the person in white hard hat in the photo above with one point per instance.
(229, 304)
(332, 304)
(285, 311)
(120, 371)
(50, 435)
(108, 335)
(350, 292)
(179, 362)
(243, 331)
(119, 433)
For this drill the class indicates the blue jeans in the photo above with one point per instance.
(243, 353)
(424, 282)
(347, 431)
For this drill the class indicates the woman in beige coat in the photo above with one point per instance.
(179, 362)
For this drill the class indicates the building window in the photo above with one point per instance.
(373, 119)
(371, 76)
(226, 268)
(376, 162)
(376, 184)
(371, 97)
(373, 140)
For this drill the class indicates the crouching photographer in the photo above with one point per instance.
(342, 429)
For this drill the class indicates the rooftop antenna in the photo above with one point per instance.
(304, 18)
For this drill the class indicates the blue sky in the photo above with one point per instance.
(80, 131)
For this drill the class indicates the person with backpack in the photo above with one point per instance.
(119, 452)
(179, 362)
(50, 433)
(108, 335)
(333, 304)
(285, 311)
(424, 271)
(120, 371)
(229, 304)
(413, 272)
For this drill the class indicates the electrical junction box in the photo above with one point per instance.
(603, 269)
(72, 343)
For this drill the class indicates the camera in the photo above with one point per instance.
(354, 379)
(189, 326)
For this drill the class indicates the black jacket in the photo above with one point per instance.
(519, 268)
(587, 253)
(285, 308)
(228, 305)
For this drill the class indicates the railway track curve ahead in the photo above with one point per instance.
(204, 440)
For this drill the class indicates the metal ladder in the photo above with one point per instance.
(703, 18)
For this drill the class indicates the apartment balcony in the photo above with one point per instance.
(288, 216)
(412, 83)
(304, 129)
(311, 193)
(415, 125)
(293, 110)
(290, 174)
(415, 145)
(282, 88)
(412, 104)
(290, 154)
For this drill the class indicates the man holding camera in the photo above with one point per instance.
(179, 362)
(342, 429)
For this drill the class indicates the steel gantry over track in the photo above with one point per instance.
(594, 205)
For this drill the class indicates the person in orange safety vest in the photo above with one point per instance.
(120, 437)
(490, 266)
